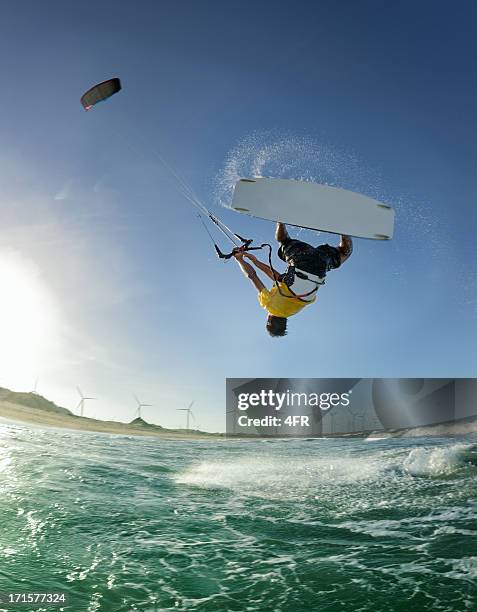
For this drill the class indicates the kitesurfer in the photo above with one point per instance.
(297, 287)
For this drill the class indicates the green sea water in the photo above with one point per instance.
(122, 524)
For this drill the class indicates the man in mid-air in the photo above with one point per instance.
(297, 287)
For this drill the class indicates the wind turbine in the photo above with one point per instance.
(35, 388)
(331, 418)
(355, 415)
(189, 413)
(139, 406)
(82, 401)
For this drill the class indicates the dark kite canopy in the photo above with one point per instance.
(101, 91)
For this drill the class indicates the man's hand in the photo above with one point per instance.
(239, 255)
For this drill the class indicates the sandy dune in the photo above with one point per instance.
(26, 414)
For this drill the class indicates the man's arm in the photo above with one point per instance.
(345, 247)
(262, 266)
(248, 270)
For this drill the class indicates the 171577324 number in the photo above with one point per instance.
(32, 598)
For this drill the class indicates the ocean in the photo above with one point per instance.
(118, 523)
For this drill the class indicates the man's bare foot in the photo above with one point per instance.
(281, 233)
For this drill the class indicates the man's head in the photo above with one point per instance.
(276, 326)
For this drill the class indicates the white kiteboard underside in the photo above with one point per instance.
(314, 206)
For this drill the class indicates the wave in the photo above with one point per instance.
(440, 461)
(325, 474)
(279, 477)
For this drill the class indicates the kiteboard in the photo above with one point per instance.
(314, 206)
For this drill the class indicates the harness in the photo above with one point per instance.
(289, 278)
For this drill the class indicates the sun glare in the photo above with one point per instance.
(28, 321)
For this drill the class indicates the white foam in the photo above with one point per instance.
(438, 461)
(279, 477)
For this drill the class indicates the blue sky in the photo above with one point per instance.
(112, 284)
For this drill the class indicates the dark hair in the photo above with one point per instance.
(276, 326)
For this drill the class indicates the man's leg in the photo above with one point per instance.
(281, 233)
